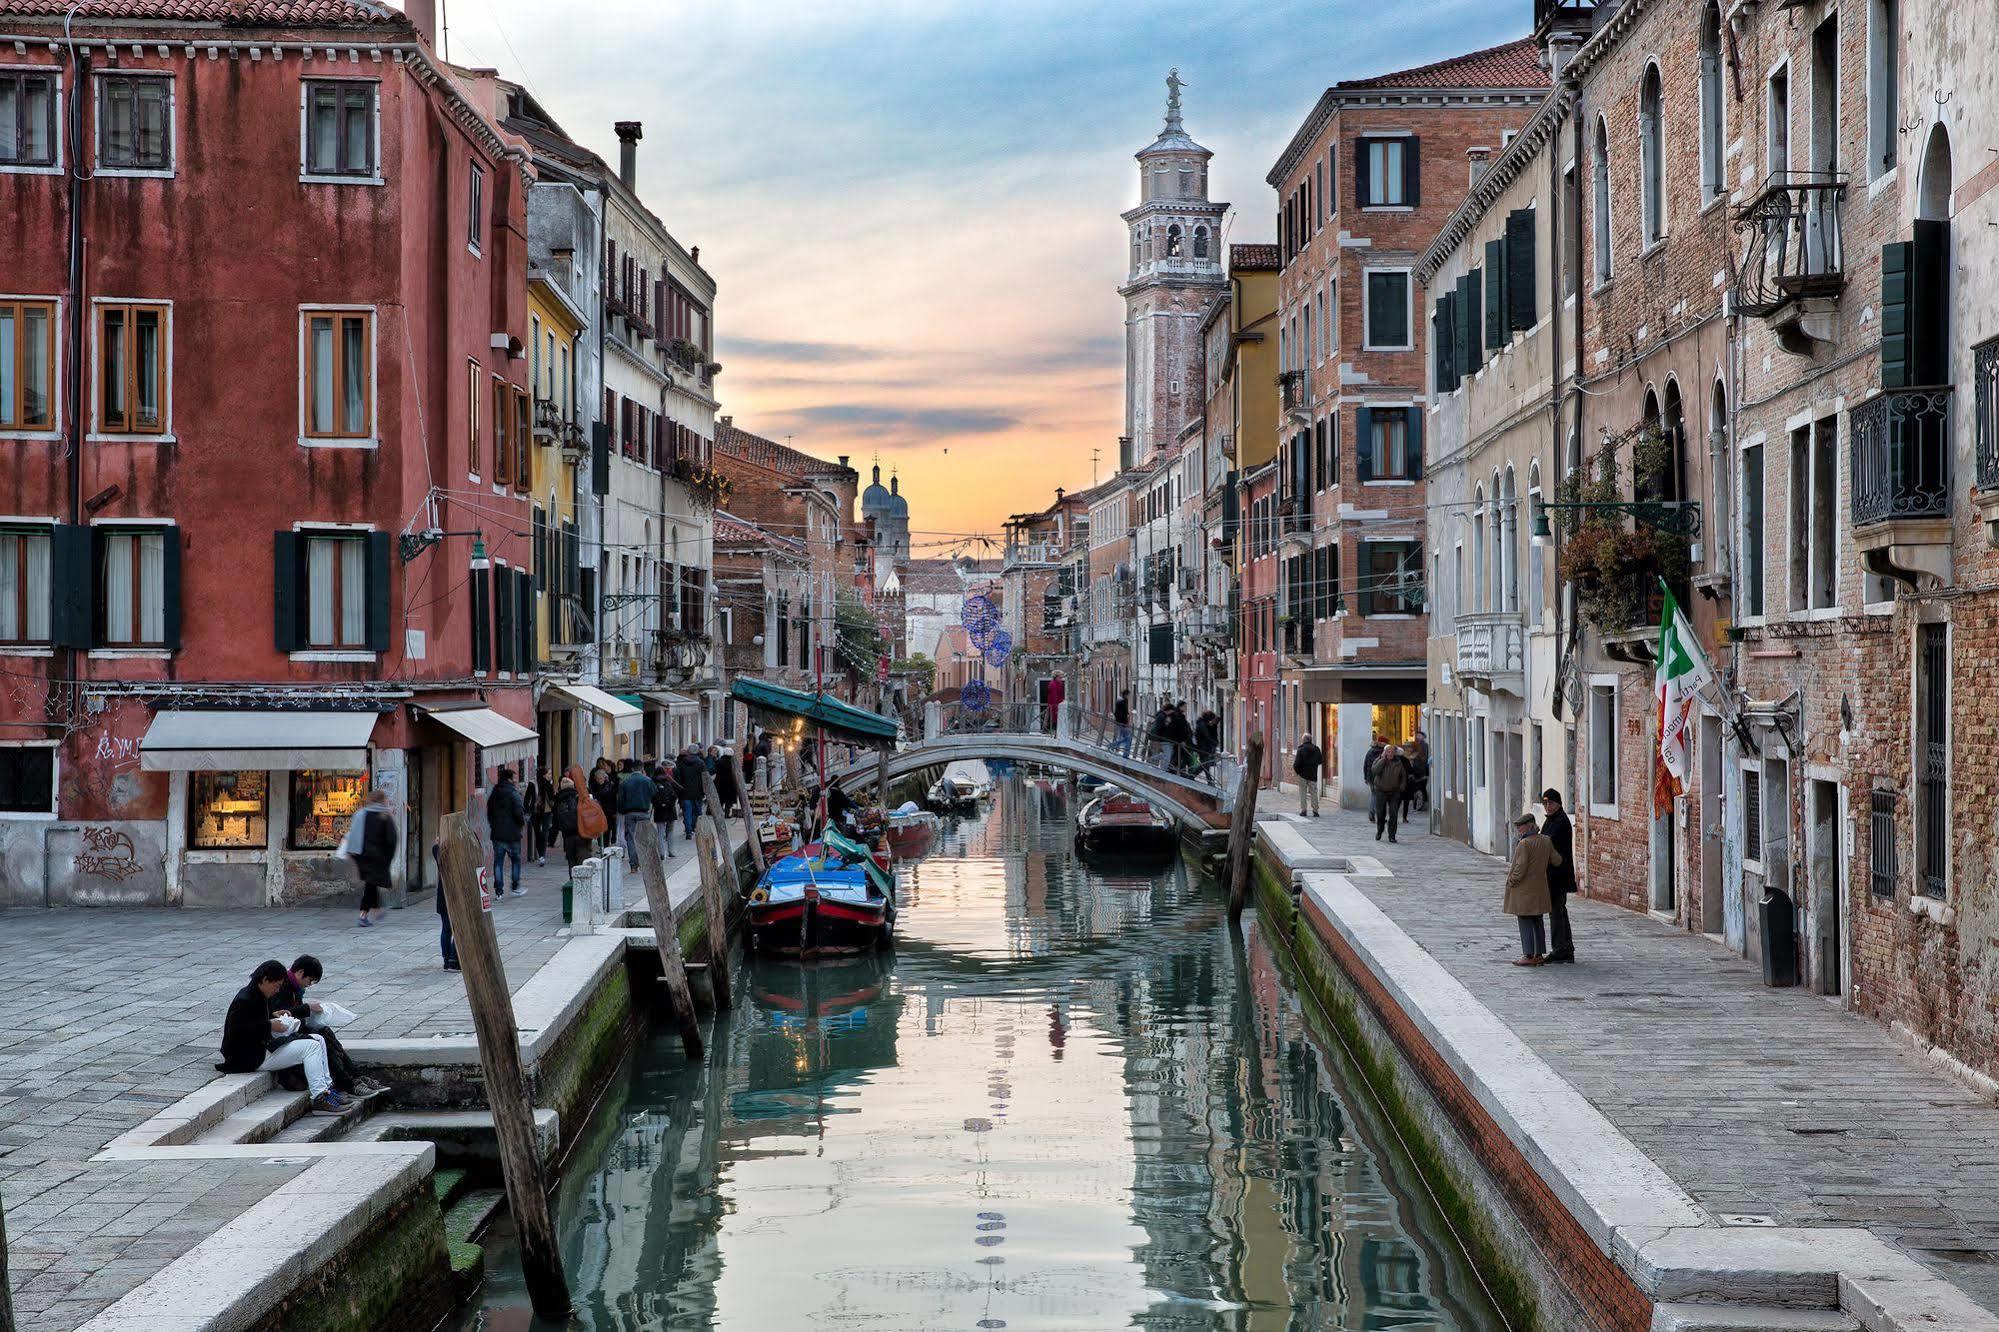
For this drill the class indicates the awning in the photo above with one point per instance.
(210, 741)
(624, 718)
(504, 739)
(837, 718)
(678, 705)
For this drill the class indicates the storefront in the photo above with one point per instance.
(600, 724)
(460, 749)
(1353, 705)
(672, 721)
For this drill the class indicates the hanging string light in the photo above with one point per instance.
(976, 696)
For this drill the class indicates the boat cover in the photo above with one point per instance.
(836, 718)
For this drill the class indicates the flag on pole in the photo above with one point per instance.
(1682, 674)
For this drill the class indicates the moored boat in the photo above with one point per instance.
(834, 896)
(1118, 824)
(953, 794)
(910, 830)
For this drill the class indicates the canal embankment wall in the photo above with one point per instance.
(1571, 1225)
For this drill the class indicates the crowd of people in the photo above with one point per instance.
(1171, 741)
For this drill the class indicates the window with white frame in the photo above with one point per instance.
(1750, 827)
(1388, 317)
(27, 778)
(1603, 747)
(133, 361)
(1884, 84)
(132, 594)
(135, 122)
(336, 590)
(1713, 116)
(28, 102)
(475, 208)
(24, 586)
(1814, 562)
(339, 131)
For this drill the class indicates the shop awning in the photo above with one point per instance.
(504, 739)
(624, 718)
(677, 705)
(836, 718)
(196, 740)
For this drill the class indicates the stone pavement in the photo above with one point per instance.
(1760, 1103)
(107, 1016)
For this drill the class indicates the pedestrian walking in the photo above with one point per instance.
(531, 804)
(1158, 743)
(665, 805)
(1527, 897)
(1121, 719)
(1561, 876)
(446, 945)
(371, 844)
(1391, 779)
(1419, 771)
(602, 786)
(506, 821)
(726, 789)
(1180, 735)
(634, 803)
(1367, 766)
(1306, 763)
(687, 773)
(1207, 741)
(575, 846)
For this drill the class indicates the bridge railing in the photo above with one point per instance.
(1098, 732)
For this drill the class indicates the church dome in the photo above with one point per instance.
(898, 502)
(876, 502)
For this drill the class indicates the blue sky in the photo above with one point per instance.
(912, 209)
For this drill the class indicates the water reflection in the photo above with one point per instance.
(1069, 1100)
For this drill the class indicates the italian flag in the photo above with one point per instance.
(1683, 672)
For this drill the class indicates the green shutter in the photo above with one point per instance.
(1896, 261)
(600, 458)
(1520, 292)
(530, 649)
(378, 591)
(170, 599)
(504, 641)
(1416, 442)
(71, 587)
(1472, 341)
(482, 640)
(1363, 434)
(1412, 172)
(1364, 589)
(1495, 295)
(1360, 155)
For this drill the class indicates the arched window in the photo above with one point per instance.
(1495, 596)
(1509, 546)
(1674, 422)
(1537, 555)
(1600, 202)
(1652, 155)
(1200, 242)
(1713, 130)
(1720, 473)
(1173, 241)
(1475, 597)
(1137, 249)
(1933, 196)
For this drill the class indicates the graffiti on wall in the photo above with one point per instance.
(107, 854)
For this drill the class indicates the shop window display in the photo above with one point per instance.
(323, 804)
(228, 810)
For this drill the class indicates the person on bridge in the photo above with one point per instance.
(1207, 741)
(1391, 779)
(1180, 735)
(1561, 876)
(1306, 763)
(1527, 898)
(1121, 717)
(1158, 742)
(1057, 691)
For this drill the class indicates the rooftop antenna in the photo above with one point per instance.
(1094, 454)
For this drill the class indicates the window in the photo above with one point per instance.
(475, 208)
(1387, 170)
(1713, 129)
(1814, 493)
(1388, 310)
(339, 129)
(523, 455)
(336, 570)
(324, 802)
(1200, 243)
(24, 586)
(1881, 866)
(1752, 814)
(1603, 748)
(503, 455)
(27, 361)
(1652, 155)
(1600, 202)
(1777, 118)
(1932, 759)
(1884, 84)
(27, 119)
(132, 594)
(228, 810)
(132, 369)
(475, 389)
(135, 122)
(27, 779)
(339, 374)
(1390, 446)
(1751, 539)
(1391, 578)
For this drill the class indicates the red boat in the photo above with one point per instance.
(823, 900)
(1116, 824)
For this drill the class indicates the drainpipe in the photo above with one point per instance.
(73, 660)
(1564, 622)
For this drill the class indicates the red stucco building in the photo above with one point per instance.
(267, 533)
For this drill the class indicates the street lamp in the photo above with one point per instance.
(1673, 517)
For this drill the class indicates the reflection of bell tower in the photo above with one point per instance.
(1176, 268)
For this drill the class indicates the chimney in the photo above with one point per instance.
(422, 15)
(843, 464)
(628, 153)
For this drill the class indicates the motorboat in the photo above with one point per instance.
(953, 793)
(831, 896)
(1119, 824)
(909, 830)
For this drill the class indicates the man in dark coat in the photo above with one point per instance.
(1561, 876)
(1207, 741)
(665, 804)
(1121, 718)
(1305, 764)
(253, 1039)
(725, 785)
(1391, 779)
(371, 842)
(687, 774)
(1374, 752)
(506, 821)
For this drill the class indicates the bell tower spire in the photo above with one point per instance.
(1174, 83)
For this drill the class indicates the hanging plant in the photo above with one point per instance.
(1614, 561)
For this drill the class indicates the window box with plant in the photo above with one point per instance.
(1615, 551)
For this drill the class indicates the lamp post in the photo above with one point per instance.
(1673, 517)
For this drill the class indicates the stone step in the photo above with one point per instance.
(259, 1121)
(1679, 1317)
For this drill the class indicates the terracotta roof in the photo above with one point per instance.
(739, 443)
(1255, 258)
(1515, 64)
(228, 13)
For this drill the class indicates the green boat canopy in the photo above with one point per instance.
(837, 718)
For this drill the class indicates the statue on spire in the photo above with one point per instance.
(1174, 83)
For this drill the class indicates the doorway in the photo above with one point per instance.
(1828, 898)
(1710, 806)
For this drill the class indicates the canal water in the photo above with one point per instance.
(1067, 1099)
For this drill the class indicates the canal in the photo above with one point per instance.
(1068, 1099)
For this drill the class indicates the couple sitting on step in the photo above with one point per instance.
(272, 1025)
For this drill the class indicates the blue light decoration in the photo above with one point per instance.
(980, 617)
(999, 648)
(976, 696)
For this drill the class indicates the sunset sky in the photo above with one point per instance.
(912, 208)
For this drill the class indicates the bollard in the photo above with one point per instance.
(612, 899)
(589, 878)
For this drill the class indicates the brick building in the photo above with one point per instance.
(289, 247)
(1363, 186)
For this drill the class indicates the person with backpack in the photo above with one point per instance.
(575, 846)
(371, 844)
(665, 804)
(688, 772)
(1391, 779)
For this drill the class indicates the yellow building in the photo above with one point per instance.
(561, 449)
(1252, 377)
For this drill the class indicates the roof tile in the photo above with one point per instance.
(1515, 64)
(228, 13)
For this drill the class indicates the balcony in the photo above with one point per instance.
(1985, 426)
(1901, 446)
(548, 421)
(1295, 526)
(1294, 389)
(1794, 266)
(1031, 552)
(1492, 652)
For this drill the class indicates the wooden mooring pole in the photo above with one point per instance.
(749, 819)
(714, 800)
(718, 893)
(470, 913)
(671, 964)
(6, 1300)
(1242, 825)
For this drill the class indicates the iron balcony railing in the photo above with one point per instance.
(1296, 392)
(1901, 456)
(1795, 251)
(1985, 404)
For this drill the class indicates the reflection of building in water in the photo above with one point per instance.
(818, 1030)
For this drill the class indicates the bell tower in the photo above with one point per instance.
(1175, 238)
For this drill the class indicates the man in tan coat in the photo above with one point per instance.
(1527, 889)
